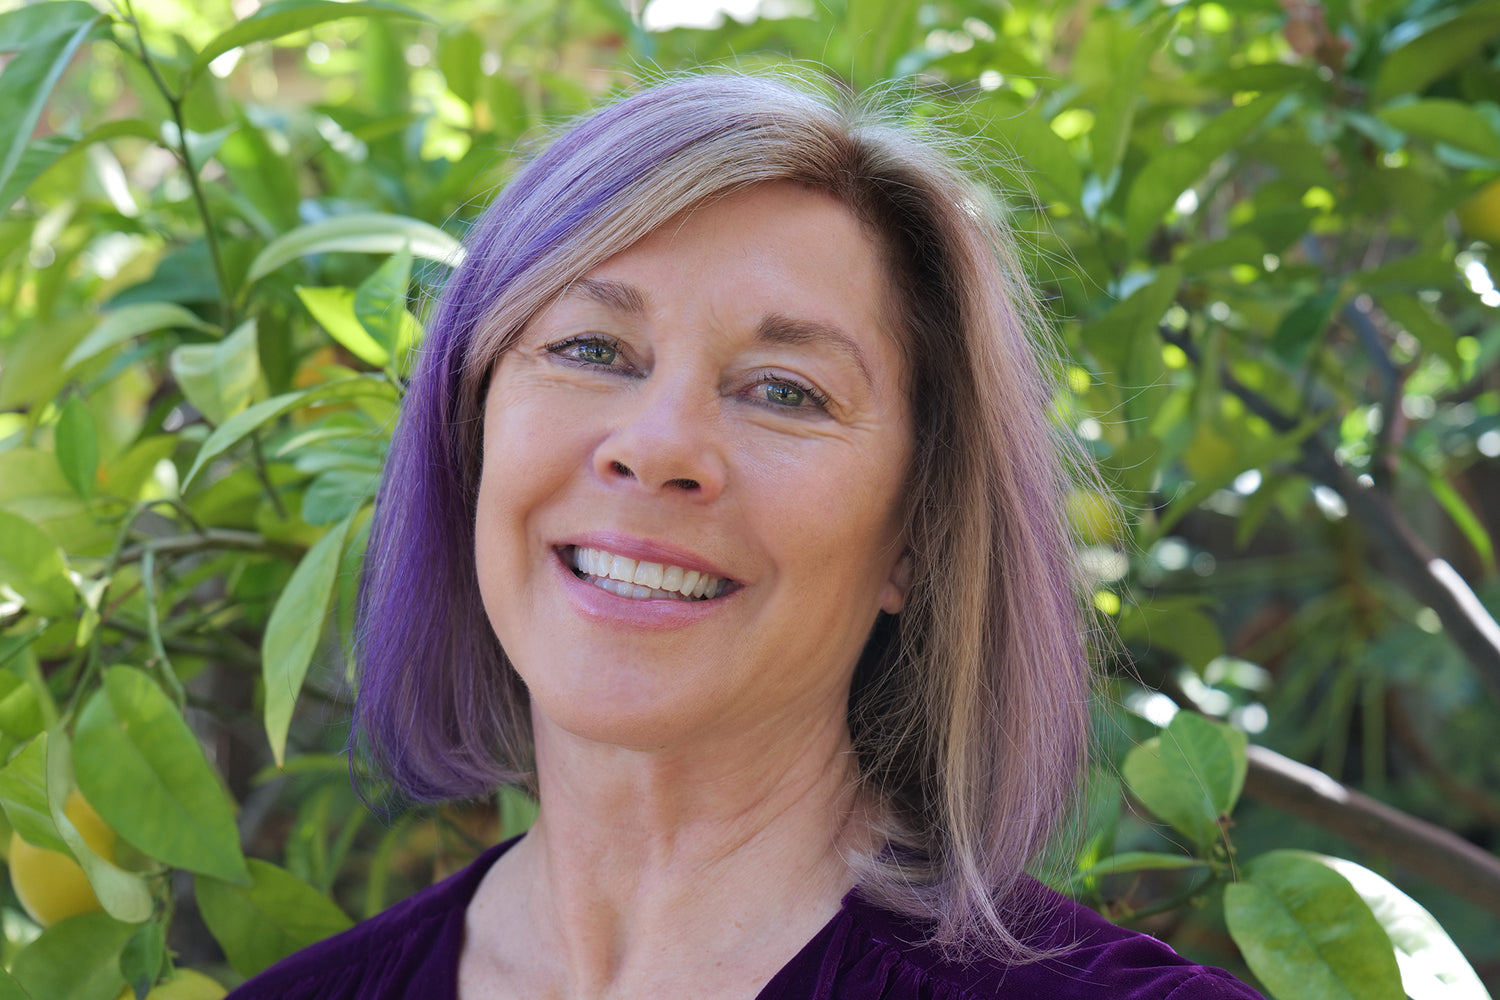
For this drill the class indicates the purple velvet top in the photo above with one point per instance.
(410, 952)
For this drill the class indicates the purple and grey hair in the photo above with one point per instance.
(968, 713)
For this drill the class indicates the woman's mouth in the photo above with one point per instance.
(641, 580)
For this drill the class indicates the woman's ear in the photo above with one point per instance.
(893, 594)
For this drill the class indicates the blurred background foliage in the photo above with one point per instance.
(1262, 230)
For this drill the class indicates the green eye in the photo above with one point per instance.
(785, 395)
(595, 353)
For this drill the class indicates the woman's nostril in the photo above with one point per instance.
(687, 484)
(621, 468)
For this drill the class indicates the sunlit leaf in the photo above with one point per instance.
(141, 767)
(276, 916)
(242, 424)
(78, 446)
(30, 23)
(121, 324)
(1438, 51)
(25, 85)
(77, 958)
(33, 566)
(1190, 775)
(333, 308)
(364, 233)
(1444, 120)
(287, 16)
(380, 305)
(124, 895)
(1307, 934)
(1432, 967)
(1175, 168)
(219, 379)
(12, 990)
(23, 790)
(293, 631)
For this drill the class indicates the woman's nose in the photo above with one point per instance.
(666, 440)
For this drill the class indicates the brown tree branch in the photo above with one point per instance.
(1434, 853)
(1412, 564)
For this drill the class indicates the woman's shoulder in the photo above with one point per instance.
(869, 953)
(408, 950)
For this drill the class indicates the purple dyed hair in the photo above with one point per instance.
(968, 712)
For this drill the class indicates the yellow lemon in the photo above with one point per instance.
(185, 984)
(49, 884)
(1480, 214)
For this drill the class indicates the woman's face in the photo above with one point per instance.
(719, 415)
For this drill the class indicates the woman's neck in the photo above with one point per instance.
(640, 860)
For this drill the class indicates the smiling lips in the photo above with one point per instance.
(625, 577)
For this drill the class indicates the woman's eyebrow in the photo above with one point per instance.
(779, 329)
(615, 295)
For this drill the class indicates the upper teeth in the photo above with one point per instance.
(648, 579)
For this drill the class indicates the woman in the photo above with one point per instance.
(724, 514)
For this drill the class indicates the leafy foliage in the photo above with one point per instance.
(1263, 232)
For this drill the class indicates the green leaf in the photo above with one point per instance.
(33, 566)
(1437, 52)
(38, 157)
(380, 305)
(335, 494)
(1139, 861)
(77, 958)
(1111, 132)
(333, 308)
(1190, 775)
(276, 916)
(1126, 342)
(1301, 327)
(143, 770)
(119, 325)
(10, 989)
(293, 631)
(23, 790)
(1307, 935)
(27, 25)
(219, 379)
(26, 84)
(1457, 507)
(361, 233)
(242, 424)
(288, 16)
(1417, 319)
(1175, 169)
(144, 956)
(1048, 157)
(1442, 120)
(21, 715)
(78, 446)
(1432, 967)
(124, 895)
(1261, 453)
(459, 53)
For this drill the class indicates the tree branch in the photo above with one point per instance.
(1426, 577)
(213, 538)
(1421, 847)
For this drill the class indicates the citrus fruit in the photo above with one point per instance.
(1480, 214)
(49, 884)
(185, 984)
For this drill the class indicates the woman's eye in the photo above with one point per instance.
(588, 351)
(778, 391)
(783, 394)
